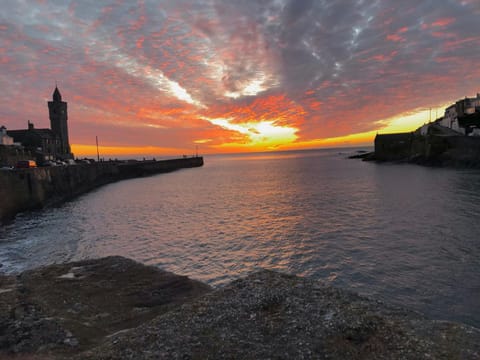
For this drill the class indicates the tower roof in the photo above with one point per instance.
(56, 95)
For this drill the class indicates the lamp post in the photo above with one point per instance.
(98, 154)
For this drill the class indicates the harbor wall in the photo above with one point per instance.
(28, 189)
(392, 147)
(437, 150)
(463, 150)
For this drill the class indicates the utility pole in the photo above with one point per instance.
(196, 150)
(98, 154)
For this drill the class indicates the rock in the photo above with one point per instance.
(115, 308)
(270, 315)
(46, 312)
(363, 155)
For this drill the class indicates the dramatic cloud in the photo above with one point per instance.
(233, 75)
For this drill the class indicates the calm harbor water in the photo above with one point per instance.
(405, 234)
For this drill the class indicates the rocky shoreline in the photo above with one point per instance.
(438, 161)
(115, 308)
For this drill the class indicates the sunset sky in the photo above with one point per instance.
(162, 77)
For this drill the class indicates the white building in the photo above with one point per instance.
(424, 129)
(450, 117)
(4, 138)
(461, 108)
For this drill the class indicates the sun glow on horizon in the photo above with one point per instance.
(267, 135)
(412, 120)
(262, 134)
(81, 150)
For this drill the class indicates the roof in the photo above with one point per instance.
(20, 135)
(438, 129)
(56, 95)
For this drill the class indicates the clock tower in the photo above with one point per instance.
(58, 123)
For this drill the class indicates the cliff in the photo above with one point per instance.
(27, 189)
(114, 308)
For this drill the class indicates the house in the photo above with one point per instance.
(449, 120)
(463, 116)
(5, 139)
(43, 142)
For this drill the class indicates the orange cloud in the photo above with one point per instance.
(277, 108)
(443, 22)
(395, 37)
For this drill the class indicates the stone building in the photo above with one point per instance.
(41, 142)
(47, 144)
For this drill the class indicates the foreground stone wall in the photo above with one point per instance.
(27, 189)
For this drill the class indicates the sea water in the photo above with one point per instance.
(405, 234)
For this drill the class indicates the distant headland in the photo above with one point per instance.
(451, 140)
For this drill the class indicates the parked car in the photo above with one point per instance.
(82, 161)
(25, 164)
(49, 163)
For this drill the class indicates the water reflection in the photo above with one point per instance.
(402, 233)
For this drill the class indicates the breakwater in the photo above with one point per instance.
(28, 189)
